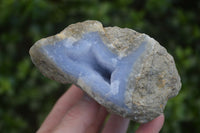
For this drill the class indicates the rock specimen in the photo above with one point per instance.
(127, 72)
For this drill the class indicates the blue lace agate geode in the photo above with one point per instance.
(127, 72)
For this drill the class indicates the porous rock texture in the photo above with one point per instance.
(128, 72)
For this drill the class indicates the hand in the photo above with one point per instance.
(74, 112)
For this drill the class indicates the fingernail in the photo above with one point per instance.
(87, 97)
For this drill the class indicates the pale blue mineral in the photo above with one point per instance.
(127, 72)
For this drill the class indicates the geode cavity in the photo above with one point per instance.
(127, 72)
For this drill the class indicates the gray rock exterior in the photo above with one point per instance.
(128, 72)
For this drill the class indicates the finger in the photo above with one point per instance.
(97, 125)
(153, 126)
(65, 102)
(79, 117)
(116, 124)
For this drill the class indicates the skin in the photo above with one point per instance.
(75, 112)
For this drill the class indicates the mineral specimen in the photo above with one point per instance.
(127, 72)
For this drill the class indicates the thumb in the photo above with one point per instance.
(79, 117)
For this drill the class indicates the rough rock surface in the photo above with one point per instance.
(129, 73)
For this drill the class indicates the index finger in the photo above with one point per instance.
(153, 126)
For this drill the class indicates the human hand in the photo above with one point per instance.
(74, 112)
